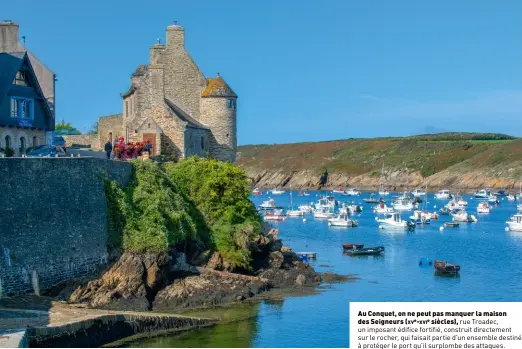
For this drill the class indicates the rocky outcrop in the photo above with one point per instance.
(168, 282)
(404, 179)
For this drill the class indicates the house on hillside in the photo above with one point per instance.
(25, 116)
(174, 106)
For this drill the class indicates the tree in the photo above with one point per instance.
(94, 129)
(65, 128)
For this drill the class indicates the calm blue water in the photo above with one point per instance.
(490, 260)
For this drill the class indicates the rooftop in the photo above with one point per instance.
(217, 87)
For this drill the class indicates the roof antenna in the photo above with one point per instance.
(23, 42)
(159, 41)
(175, 22)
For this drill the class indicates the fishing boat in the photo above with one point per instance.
(342, 220)
(515, 222)
(277, 191)
(383, 209)
(324, 213)
(353, 192)
(481, 194)
(394, 221)
(493, 199)
(350, 209)
(349, 246)
(420, 217)
(463, 216)
(403, 204)
(306, 208)
(511, 197)
(372, 199)
(483, 207)
(451, 224)
(369, 251)
(256, 191)
(326, 202)
(268, 204)
(418, 192)
(275, 215)
(446, 268)
(443, 194)
(306, 194)
(456, 204)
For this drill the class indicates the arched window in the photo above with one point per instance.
(202, 143)
(35, 141)
(7, 142)
(22, 145)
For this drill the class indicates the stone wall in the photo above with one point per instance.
(222, 122)
(196, 142)
(91, 141)
(31, 138)
(53, 221)
(107, 125)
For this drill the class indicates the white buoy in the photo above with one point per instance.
(441, 228)
(434, 206)
(304, 219)
(376, 218)
(381, 227)
(507, 229)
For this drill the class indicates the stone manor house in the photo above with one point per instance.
(174, 106)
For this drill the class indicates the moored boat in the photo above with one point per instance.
(443, 194)
(403, 204)
(342, 220)
(483, 207)
(382, 209)
(339, 191)
(515, 222)
(444, 211)
(323, 213)
(372, 199)
(446, 268)
(420, 217)
(451, 224)
(369, 251)
(275, 215)
(463, 216)
(277, 191)
(295, 213)
(418, 193)
(268, 204)
(394, 221)
(352, 192)
(306, 208)
(256, 191)
(481, 194)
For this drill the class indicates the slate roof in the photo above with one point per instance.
(184, 116)
(217, 87)
(141, 70)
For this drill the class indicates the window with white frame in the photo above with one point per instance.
(22, 108)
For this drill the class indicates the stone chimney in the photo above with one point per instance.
(175, 36)
(9, 41)
(155, 53)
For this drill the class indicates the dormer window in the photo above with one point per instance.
(22, 108)
(231, 104)
(21, 79)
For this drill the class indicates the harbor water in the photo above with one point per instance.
(489, 256)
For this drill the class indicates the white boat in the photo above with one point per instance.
(394, 221)
(463, 216)
(515, 222)
(342, 220)
(326, 202)
(277, 192)
(256, 191)
(353, 192)
(270, 203)
(483, 207)
(382, 209)
(403, 204)
(511, 197)
(306, 208)
(306, 194)
(276, 215)
(443, 194)
(323, 213)
(481, 194)
(293, 212)
(339, 191)
(519, 207)
(461, 201)
(418, 193)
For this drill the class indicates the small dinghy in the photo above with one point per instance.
(444, 211)
(443, 267)
(369, 251)
(451, 225)
(349, 246)
(372, 199)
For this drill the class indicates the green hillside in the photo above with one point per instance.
(427, 154)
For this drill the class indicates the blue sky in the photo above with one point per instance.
(303, 70)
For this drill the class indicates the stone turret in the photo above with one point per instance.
(218, 112)
(175, 36)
